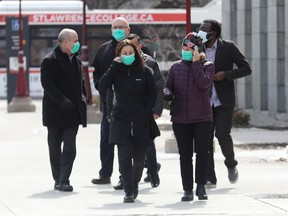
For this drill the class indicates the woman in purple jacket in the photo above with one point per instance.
(188, 86)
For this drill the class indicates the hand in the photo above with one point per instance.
(196, 56)
(67, 104)
(118, 59)
(168, 97)
(155, 116)
(89, 101)
(219, 76)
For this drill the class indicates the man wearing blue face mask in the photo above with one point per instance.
(64, 105)
(105, 54)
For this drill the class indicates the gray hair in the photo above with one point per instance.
(122, 19)
(65, 34)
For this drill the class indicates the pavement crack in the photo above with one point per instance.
(7, 208)
(263, 197)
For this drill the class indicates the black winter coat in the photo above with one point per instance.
(135, 97)
(159, 84)
(228, 54)
(64, 101)
(102, 61)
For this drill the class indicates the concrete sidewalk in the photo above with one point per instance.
(26, 184)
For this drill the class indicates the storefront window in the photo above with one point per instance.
(2, 47)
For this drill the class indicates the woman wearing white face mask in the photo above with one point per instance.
(129, 127)
(188, 86)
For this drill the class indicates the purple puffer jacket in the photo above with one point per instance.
(189, 85)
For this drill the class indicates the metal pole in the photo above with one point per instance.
(84, 55)
(188, 16)
(154, 48)
(21, 85)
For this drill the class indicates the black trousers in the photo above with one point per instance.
(151, 157)
(131, 156)
(185, 135)
(62, 159)
(222, 125)
(106, 149)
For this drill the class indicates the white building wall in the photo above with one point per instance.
(262, 36)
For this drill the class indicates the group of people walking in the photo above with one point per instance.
(199, 87)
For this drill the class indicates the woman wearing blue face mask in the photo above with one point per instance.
(135, 94)
(188, 86)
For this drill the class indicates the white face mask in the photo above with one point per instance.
(203, 35)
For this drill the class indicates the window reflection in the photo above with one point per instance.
(39, 49)
(2, 47)
(45, 32)
(2, 32)
(2, 53)
(42, 41)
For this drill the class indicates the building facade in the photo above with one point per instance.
(260, 29)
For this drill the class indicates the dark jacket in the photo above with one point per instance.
(228, 54)
(135, 97)
(102, 61)
(153, 64)
(189, 84)
(64, 102)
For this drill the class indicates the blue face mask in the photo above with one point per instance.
(118, 34)
(75, 48)
(128, 59)
(203, 35)
(187, 55)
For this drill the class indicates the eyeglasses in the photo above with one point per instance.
(119, 27)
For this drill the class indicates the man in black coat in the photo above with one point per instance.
(225, 54)
(64, 105)
(102, 61)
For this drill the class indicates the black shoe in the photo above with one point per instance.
(154, 178)
(210, 185)
(101, 180)
(128, 198)
(158, 167)
(56, 186)
(65, 187)
(135, 193)
(188, 196)
(147, 178)
(233, 175)
(120, 185)
(201, 193)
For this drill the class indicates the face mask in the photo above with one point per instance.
(187, 55)
(203, 35)
(75, 48)
(128, 59)
(119, 34)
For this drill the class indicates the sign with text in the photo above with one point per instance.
(106, 17)
(12, 49)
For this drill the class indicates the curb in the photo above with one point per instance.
(256, 146)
